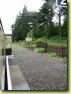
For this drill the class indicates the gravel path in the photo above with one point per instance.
(40, 70)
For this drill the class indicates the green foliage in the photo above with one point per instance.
(54, 55)
(40, 32)
(55, 40)
(40, 50)
(21, 43)
(39, 22)
(30, 34)
(65, 28)
(42, 40)
(33, 46)
(21, 26)
(58, 39)
(21, 29)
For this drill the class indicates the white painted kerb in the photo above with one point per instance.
(8, 75)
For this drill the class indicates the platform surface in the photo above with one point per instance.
(17, 79)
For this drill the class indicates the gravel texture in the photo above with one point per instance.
(41, 71)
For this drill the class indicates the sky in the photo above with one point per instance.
(10, 8)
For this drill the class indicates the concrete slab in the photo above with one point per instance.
(17, 79)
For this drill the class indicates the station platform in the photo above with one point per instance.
(17, 79)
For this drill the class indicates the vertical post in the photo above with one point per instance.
(46, 47)
(62, 51)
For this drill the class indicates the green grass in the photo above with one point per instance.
(21, 43)
(40, 50)
(56, 41)
(8, 40)
(54, 55)
(51, 42)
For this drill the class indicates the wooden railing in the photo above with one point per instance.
(60, 50)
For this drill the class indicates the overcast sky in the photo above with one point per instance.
(10, 8)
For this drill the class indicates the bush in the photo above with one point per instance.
(53, 55)
(33, 46)
(21, 43)
(40, 40)
(40, 50)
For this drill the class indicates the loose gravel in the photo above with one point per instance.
(41, 71)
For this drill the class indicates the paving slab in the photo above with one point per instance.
(17, 79)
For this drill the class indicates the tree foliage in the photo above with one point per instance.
(40, 23)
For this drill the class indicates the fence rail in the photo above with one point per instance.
(60, 50)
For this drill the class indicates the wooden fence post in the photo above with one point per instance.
(46, 46)
(62, 51)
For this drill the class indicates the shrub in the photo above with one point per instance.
(40, 40)
(33, 46)
(40, 50)
(21, 43)
(53, 55)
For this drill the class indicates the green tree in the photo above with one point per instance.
(21, 26)
(48, 14)
(40, 23)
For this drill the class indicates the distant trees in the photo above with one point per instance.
(45, 19)
(37, 24)
(21, 26)
(25, 22)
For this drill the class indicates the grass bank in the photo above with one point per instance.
(56, 41)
